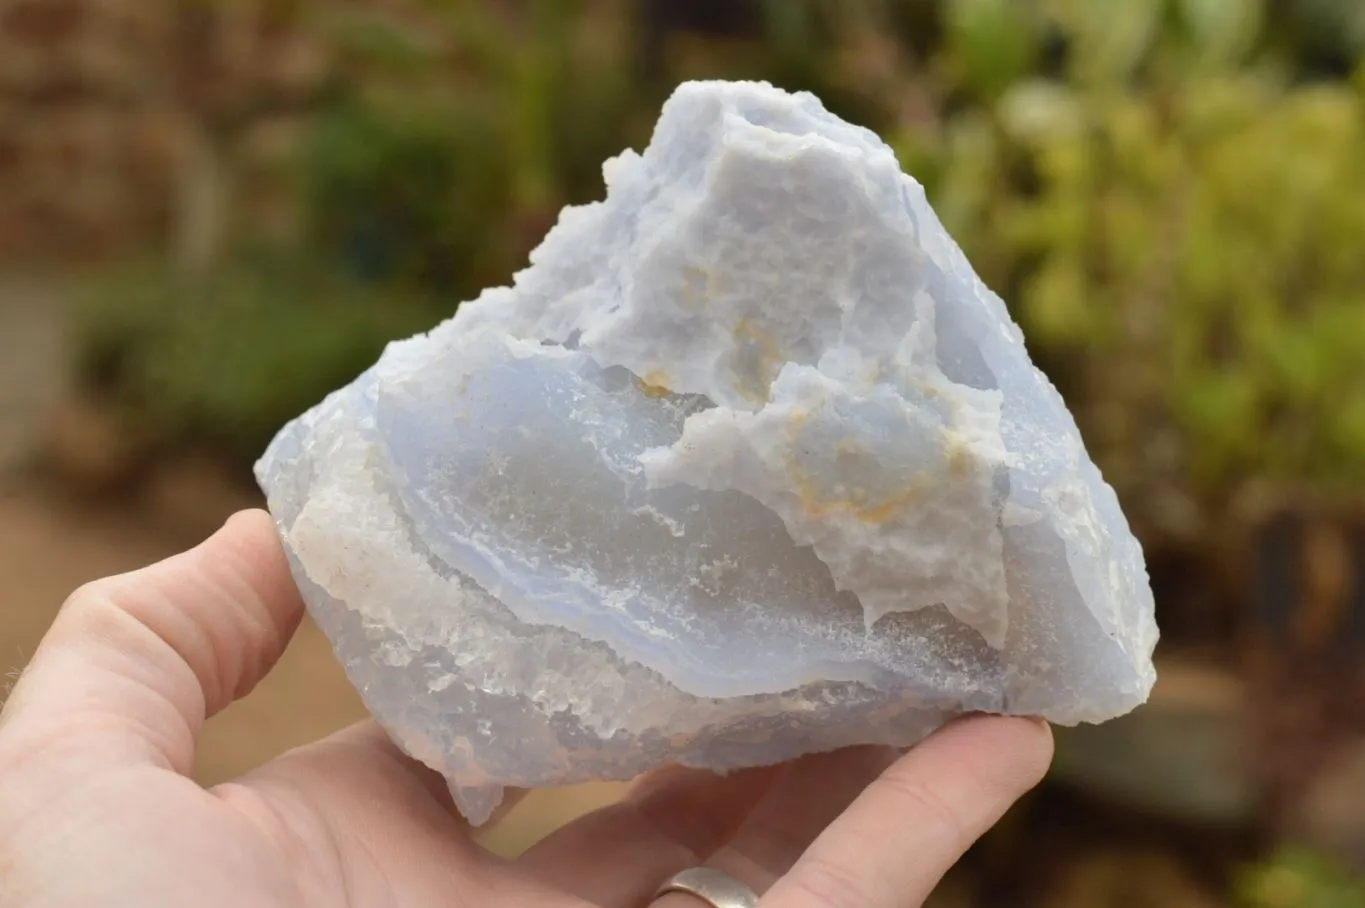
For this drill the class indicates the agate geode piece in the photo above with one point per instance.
(747, 464)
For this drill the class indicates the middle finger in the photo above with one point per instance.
(809, 795)
(670, 819)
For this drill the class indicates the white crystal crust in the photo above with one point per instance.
(748, 463)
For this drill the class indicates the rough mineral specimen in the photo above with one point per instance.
(748, 463)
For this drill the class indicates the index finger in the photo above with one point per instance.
(145, 657)
(902, 834)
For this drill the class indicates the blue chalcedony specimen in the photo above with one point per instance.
(747, 464)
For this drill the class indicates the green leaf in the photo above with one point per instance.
(1223, 31)
(1295, 878)
(1109, 38)
(1035, 112)
(1059, 307)
(992, 44)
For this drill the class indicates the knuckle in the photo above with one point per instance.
(87, 594)
(103, 611)
(94, 607)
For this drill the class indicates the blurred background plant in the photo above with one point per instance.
(1296, 879)
(1170, 194)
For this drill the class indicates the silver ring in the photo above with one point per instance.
(717, 889)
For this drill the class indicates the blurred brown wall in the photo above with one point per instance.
(87, 149)
(109, 109)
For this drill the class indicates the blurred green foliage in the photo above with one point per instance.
(224, 360)
(1169, 193)
(398, 195)
(1298, 879)
(1176, 220)
(449, 134)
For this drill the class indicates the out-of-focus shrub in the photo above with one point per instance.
(408, 195)
(224, 360)
(1297, 879)
(1327, 37)
(453, 134)
(1177, 226)
(444, 140)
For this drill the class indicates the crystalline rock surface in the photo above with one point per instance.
(748, 463)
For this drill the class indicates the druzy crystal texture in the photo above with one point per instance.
(747, 463)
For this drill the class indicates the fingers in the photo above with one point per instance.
(143, 658)
(671, 819)
(860, 828)
(895, 842)
(375, 808)
(805, 799)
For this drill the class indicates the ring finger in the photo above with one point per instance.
(858, 828)
(809, 795)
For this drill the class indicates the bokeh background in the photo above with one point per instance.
(211, 213)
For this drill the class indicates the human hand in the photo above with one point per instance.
(97, 809)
